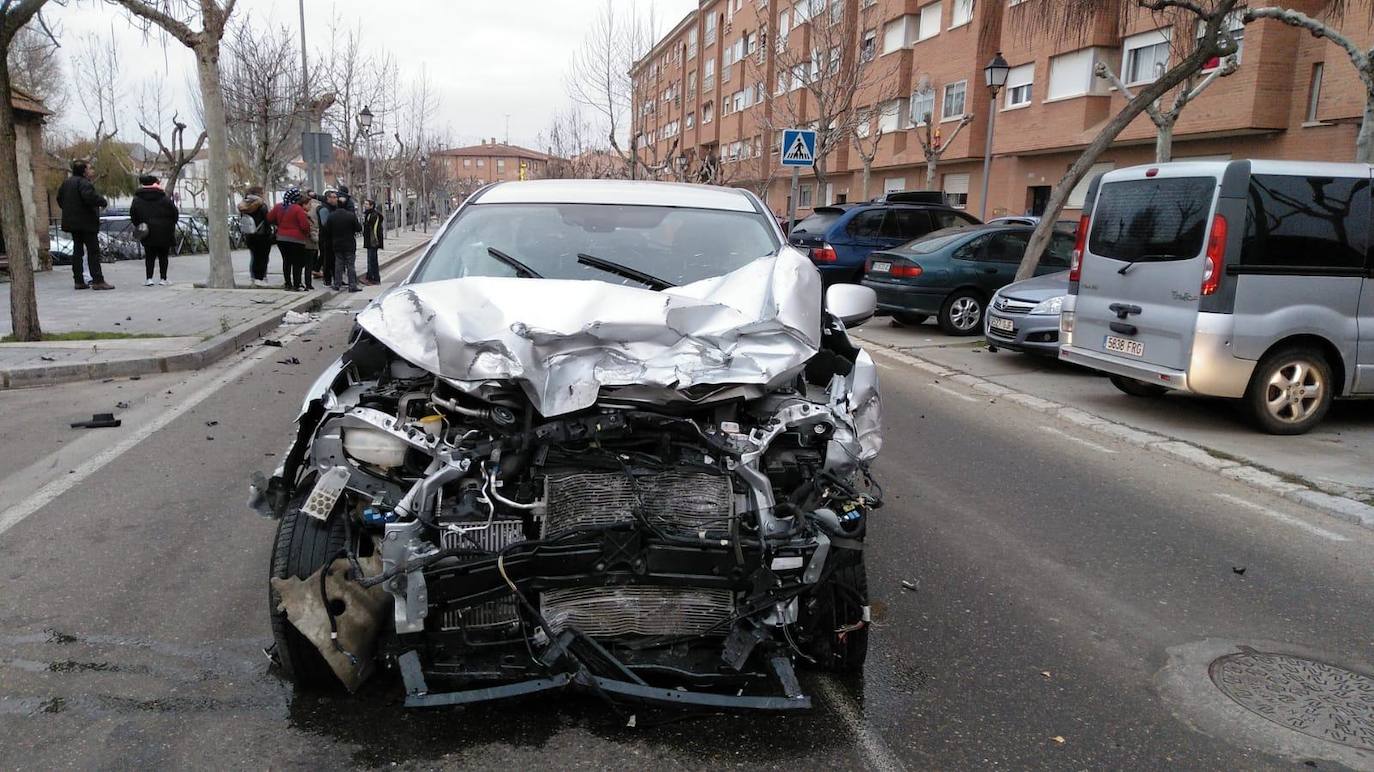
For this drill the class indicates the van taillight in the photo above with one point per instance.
(1216, 256)
(825, 254)
(1080, 243)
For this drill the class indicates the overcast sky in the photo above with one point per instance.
(487, 58)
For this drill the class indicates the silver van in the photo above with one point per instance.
(1245, 279)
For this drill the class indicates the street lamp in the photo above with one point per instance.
(424, 201)
(365, 123)
(995, 74)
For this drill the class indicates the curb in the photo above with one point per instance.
(1340, 507)
(202, 355)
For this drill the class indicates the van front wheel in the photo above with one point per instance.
(1290, 391)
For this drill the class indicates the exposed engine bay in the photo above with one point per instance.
(683, 546)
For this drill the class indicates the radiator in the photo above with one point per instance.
(639, 610)
(673, 500)
(493, 613)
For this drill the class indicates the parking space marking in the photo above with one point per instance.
(874, 748)
(953, 393)
(1283, 518)
(1079, 440)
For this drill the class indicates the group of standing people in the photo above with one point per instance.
(317, 238)
(152, 214)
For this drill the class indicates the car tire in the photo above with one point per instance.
(303, 545)
(833, 618)
(1290, 391)
(909, 319)
(962, 313)
(1137, 388)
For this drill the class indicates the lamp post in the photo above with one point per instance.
(424, 202)
(995, 74)
(365, 123)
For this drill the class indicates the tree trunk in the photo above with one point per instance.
(930, 172)
(1364, 143)
(16, 228)
(1164, 142)
(1060, 194)
(217, 203)
(868, 178)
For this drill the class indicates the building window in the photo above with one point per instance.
(781, 87)
(692, 43)
(691, 120)
(760, 93)
(691, 85)
(467, 163)
(869, 47)
(892, 116)
(836, 12)
(710, 29)
(922, 106)
(894, 184)
(708, 79)
(930, 22)
(799, 75)
(899, 33)
(804, 196)
(801, 13)
(956, 190)
(834, 60)
(1235, 24)
(708, 112)
(1079, 195)
(481, 163)
(501, 165)
(1019, 85)
(783, 17)
(962, 13)
(954, 99)
(1146, 55)
(1314, 91)
(1072, 75)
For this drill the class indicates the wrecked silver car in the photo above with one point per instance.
(607, 436)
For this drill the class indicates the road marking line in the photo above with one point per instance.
(48, 493)
(1283, 518)
(953, 393)
(1079, 440)
(871, 744)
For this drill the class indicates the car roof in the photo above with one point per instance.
(624, 192)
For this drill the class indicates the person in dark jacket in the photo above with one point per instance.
(81, 205)
(151, 207)
(327, 249)
(340, 231)
(373, 236)
(293, 228)
(346, 200)
(259, 237)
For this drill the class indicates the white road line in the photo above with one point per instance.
(1283, 518)
(875, 750)
(1079, 440)
(953, 393)
(48, 493)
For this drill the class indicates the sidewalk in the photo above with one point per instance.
(1328, 468)
(197, 326)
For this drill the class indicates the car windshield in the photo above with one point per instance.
(677, 245)
(935, 241)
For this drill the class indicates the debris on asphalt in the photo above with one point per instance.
(48, 359)
(212, 423)
(211, 439)
(122, 405)
(135, 377)
(296, 317)
(1045, 673)
(289, 361)
(1238, 570)
(1058, 739)
(98, 421)
(907, 584)
(271, 342)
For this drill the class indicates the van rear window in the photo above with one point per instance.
(1152, 219)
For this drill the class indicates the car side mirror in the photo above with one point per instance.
(852, 304)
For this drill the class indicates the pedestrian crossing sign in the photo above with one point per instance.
(798, 147)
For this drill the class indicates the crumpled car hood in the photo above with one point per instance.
(563, 340)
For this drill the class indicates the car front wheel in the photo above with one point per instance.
(962, 313)
(1290, 391)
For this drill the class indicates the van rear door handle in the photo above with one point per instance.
(1122, 310)
(1124, 329)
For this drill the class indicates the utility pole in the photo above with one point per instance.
(313, 171)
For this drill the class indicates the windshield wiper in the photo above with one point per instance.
(653, 282)
(1125, 269)
(521, 270)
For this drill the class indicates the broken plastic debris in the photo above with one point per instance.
(122, 405)
(295, 317)
(48, 359)
(1045, 673)
(212, 423)
(271, 342)
(98, 421)
(289, 361)
(1238, 570)
(907, 584)
(1058, 739)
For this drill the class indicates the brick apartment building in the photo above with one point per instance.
(490, 161)
(707, 96)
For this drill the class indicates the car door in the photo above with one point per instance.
(996, 262)
(863, 237)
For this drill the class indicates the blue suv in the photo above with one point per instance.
(840, 238)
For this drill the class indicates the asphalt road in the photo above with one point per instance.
(1057, 574)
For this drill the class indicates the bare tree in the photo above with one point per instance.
(36, 69)
(1362, 60)
(1186, 16)
(1164, 120)
(357, 78)
(99, 86)
(15, 227)
(866, 139)
(599, 75)
(261, 75)
(933, 143)
(172, 153)
(176, 17)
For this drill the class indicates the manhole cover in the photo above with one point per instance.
(1317, 699)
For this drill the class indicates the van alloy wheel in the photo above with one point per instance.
(1290, 391)
(1294, 392)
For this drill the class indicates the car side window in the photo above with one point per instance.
(1007, 247)
(1059, 252)
(949, 219)
(867, 224)
(906, 224)
(969, 251)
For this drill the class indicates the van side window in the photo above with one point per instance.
(1297, 223)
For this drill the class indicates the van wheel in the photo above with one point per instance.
(962, 313)
(1290, 391)
(907, 319)
(1137, 388)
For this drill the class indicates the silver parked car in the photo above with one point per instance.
(605, 437)
(1024, 315)
(1242, 279)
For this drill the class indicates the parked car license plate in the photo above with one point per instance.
(882, 267)
(998, 323)
(1124, 346)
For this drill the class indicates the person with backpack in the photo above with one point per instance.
(257, 234)
(340, 232)
(81, 206)
(293, 228)
(373, 234)
(154, 217)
